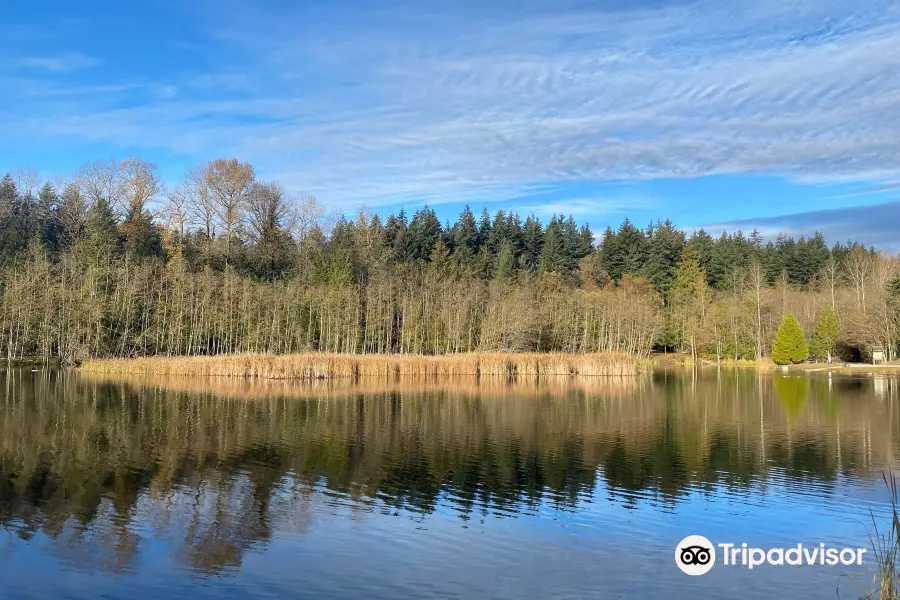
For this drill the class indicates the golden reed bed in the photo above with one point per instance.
(320, 365)
(463, 385)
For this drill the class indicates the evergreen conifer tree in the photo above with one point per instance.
(553, 252)
(532, 242)
(141, 236)
(790, 342)
(101, 232)
(612, 260)
(827, 330)
(440, 256)
(505, 262)
(632, 248)
(424, 232)
(687, 295)
(48, 216)
(465, 238)
(665, 244)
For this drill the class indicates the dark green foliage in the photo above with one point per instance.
(440, 256)
(497, 233)
(578, 242)
(484, 227)
(140, 234)
(49, 222)
(662, 256)
(696, 291)
(424, 232)
(610, 258)
(340, 269)
(782, 259)
(689, 278)
(893, 304)
(501, 246)
(553, 258)
(625, 251)
(810, 258)
(19, 218)
(399, 234)
(705, 248)
(729, 258)
(506, 262)
(633, 247)
(790, 342)
(532, 244)
(71, 213)
(9, 197)
(272, 256)
(464, 238)
(827, 330)
(101, 234)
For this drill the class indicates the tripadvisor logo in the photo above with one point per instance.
(696, 555)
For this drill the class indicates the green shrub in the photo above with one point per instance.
(790, 342)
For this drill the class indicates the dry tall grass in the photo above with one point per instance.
(463, 385)
(320, 365)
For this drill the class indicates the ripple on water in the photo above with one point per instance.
(461, 491)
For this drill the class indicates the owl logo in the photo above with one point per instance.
(695, 555)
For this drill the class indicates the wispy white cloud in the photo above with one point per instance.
(490, 100)
(869, 190)
(590, 206)
(61, 63)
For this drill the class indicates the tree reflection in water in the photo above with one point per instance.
(216, 469)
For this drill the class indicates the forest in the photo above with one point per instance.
(111, 262)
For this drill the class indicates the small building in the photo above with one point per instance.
(877, 355)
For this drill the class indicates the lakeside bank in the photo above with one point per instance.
(768, 365)
(323, 365)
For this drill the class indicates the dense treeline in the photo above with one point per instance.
(111, 263)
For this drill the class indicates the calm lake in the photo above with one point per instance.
(142, 488)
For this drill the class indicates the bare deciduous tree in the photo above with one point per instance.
(72, 211)
(138, 183)
(99, 180)
(267, 209)
(858, 266)
(27, 180)
(229, 182)
(199, 204)
(306, 213)
(831, 274)
(757, 281)
(177, 210)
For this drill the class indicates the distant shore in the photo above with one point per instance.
(320, 365)
(766, 364)
(845, 368)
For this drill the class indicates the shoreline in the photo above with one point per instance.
(843, 368)
(326, 366)
(767, 366)
(313, 366)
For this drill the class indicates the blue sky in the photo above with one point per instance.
(777, 114)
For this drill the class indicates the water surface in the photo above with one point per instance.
(141, 488)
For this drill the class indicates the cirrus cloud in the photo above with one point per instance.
(385, 104)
